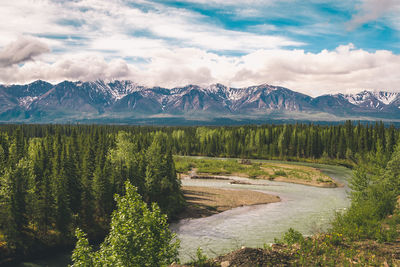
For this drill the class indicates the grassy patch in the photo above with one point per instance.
(272, 171)
(329, 249)
(182, 165)
(280, 173)
(332, 249)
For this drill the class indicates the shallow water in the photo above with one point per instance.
(305, 208)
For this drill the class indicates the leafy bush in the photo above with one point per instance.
(201, 257)
(292, 236)
(138, 237)
(374, 185)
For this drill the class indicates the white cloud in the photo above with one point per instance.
(98, 20)
(343, 69)
(370, 10)
(89, 37)
(232, 2)
(83, 67)
(31, 17)
(23, 49)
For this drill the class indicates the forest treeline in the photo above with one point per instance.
(66, 177)
(289, 141)
(55, 178)
(292, 141)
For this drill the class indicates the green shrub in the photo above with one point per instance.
(280, 173)
(201, 257)
(292, 236)
(139, 236)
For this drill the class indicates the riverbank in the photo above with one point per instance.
(319, 250)
(227, 169)
(206, 201)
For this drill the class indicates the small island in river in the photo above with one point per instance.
(206, 168)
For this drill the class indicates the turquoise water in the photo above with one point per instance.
(305, 208)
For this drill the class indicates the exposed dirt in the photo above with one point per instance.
(254, 257)
(206, 201)
(249, 257)
(282, 255)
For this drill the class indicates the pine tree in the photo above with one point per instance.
(162, 185)
(63, 214)
(102, 193)
(86, 211)
(13, 203)
(74, 185)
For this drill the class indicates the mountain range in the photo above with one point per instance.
(124, 101)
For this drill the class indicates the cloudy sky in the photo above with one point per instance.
(314, 47)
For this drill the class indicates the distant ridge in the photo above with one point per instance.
(41, 101)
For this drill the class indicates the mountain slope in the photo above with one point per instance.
(35, 101)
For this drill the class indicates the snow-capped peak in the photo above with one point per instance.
(116, 89)
(369, 97)
(386, 97)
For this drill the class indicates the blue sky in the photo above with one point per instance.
(318, 24)
(315, 46)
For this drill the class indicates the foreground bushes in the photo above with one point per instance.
(138, 237)
(375, 187)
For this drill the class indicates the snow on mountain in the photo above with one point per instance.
(122, 88)
(26, 101)
(368, 96)
(356, 99)
(115, 90)
(126, 96)
(386, 97)
(374, 100)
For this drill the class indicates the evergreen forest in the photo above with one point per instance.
(57, 178)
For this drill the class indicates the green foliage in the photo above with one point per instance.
(217, 167)
(254, 173)
(334, 250)
(330, 249)
(83, 255)
(162, 185)
(292, 236)
(201, 258)
(13, 203)
(280, 173)
(55, 178)
(182, 164)
(375, 188)
(138, 237)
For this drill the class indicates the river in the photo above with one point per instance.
(304, 208)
